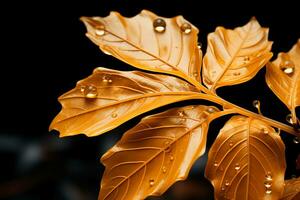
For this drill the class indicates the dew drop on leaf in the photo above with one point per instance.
(100, 30)
(114, 115)
(268, 191)
(256, 104)
(289, 118)
(227, 183)
(216, 164)
(237, 166)
(159, 25)
(171, 158)
(264, 131)
(180, 113)
(288, 67)
(296, 140)
(268, 184)
(186, 28)
(90, 91)
(164, 169)
(199, 45)
(151, 182)
(269, 176)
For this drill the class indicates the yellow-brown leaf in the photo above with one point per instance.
(155, 153)
(109, 98)
(235, 56)
(135, 41)
(247, 161)
(283, 77)
(291, 189)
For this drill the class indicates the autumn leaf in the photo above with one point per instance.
(108, 98)
(155, 153)
(235, 56)
(291, 189)
(149, 42)
(283, 77)
(247, 161)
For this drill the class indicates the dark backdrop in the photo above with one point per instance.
(44, 52)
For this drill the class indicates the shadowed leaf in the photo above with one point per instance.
(291, 189)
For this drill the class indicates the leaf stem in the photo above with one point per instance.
(232, 107)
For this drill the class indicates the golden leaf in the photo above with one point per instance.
(155, 153)
(235, 56)
(109, 98)
(247, 161)
(149, 42)
(283, 77)
(291, 189)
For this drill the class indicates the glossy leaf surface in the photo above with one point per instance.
(283, 77)
(235, 56)
(247, 161)
(108, 98)
(149, 42)
(291, 189)
(155, 153)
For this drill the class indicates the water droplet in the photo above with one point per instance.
(211, 109)
(236, 73)
(164, 169)
(100, 30)
(180, 113)
(296, 140)
(230, 143)
(268, 191)
(216, 164)
(151, 182)
(289, 118)
(199, 45)
(114, 115)
(82, 88)
(195, 74)
(159, 25)
(171, 158)
(288, 67)
(106, 52)
(90, 92)
(227, 183)
(246, 59)
(268, 184)
(223, 188)
(237, 166)
(110, 81)
(256, 104)
(264, 131)
(186, 28)
(269, 176)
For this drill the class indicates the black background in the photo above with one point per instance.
(44, 52)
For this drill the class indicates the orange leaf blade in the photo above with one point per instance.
(157, 152)
(235, 56)
(291, 189)
(247, 161)
(135, 41)
(108, 98)
(283, 78)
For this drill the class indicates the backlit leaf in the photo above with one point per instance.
(235, 56)
(108, 98)
(283, 77)
(155, 153)
(135, 41)
(247, 161)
